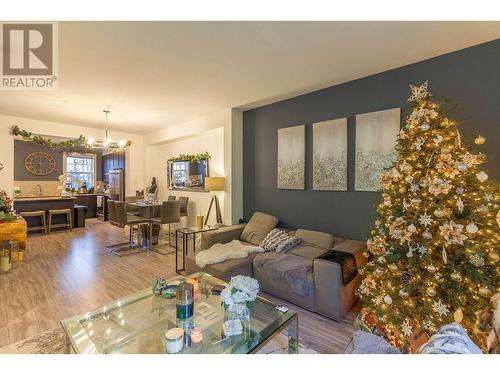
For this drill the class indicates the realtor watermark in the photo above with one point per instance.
(28, 56)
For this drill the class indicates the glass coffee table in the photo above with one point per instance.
(137, 324)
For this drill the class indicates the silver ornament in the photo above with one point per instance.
(425, 126)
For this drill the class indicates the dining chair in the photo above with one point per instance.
(172, 197)
(170, 213)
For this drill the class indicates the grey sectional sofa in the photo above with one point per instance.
(329, 296)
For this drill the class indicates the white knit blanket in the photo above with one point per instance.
(221, 252)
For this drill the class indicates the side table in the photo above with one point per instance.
(185, 233)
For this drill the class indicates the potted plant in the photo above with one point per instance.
(238, 296)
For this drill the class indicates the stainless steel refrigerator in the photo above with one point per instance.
(117, 184)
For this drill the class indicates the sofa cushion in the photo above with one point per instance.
(307, 250)
(258, 227)
(319, 239)
(223, 270)
(279, 241)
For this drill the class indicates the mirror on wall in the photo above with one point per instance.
(187, 175)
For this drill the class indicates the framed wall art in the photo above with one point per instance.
(291, 157)
(376, 135)
(330, 155)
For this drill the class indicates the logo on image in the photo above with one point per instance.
(29, 56)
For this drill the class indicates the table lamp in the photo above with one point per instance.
(214, 185)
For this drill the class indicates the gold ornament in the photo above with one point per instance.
(494, 257)
(402, 189)
(412, 228)
(431, 291)
(481, 176)
(425, 126)
(403, 293)
(431, 268)
(455, 276)
(480, 140)
(393, 267)
(484, 292)
(439, 213)
(458, 315)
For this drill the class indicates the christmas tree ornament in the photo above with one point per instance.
(458, 315)
(471, 228)
(439, 277)
(484, 210)
(455, 276)
(412, 228)
(419, 143)
(431, 291)
(393, 267)
(476, 260)
(485, 292)
(406, 328)
(481, 176)
(440, 308)
(403, 293)
(402, 189)
(427, 235)
(388, 299)
(480, 140)
(444, 255)
(431, 268)
(438, 213)
(460, 205)
(416, 201)
(418, 93)
(438, 139)
(494, 257)
(425, 126)
(462, 167)
(409, 179)
(406, 277)
(425, 219)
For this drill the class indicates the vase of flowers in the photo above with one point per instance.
(238, 297)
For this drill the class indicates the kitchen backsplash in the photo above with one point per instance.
(29, 188)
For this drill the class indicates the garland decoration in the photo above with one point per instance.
(69, 144)
(190, 157)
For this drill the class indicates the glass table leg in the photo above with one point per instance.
(293, 336)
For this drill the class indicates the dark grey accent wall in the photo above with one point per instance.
(22, 149)
(469, 78)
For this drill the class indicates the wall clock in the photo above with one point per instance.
(40, 163)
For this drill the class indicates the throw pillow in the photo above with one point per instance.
(258, 227)
(280, 241)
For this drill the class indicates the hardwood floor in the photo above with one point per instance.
(68, 273)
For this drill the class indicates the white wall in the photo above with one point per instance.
(213, 134)
(134, 163)
(211, 141)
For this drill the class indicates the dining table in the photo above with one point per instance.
(149, 210)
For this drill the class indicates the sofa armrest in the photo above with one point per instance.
(356, 248)
(222, 235)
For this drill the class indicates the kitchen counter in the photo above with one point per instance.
(42, 198)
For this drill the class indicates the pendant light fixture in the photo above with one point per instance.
(108, 143)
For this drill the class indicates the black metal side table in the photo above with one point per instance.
(186, 232)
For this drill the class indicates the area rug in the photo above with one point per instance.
(54, 342)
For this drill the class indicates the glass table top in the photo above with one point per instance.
(192, 230)
(138, 323)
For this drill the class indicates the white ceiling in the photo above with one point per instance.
(157, 74)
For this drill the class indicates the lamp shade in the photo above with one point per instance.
(214, 183)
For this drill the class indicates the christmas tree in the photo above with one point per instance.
(433, 252)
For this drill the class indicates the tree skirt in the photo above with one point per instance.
(54, 342)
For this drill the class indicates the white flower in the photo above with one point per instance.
(406, 327)
(440, 308)
(241, 289)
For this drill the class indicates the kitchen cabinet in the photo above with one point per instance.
(112, 161)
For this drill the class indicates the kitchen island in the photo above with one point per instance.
(23, 204)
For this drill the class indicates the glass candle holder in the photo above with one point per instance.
(185, 300)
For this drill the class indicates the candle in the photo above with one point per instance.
(173, 340)
(196, 335)
(199, 221)
(4, 264)
(196, 286)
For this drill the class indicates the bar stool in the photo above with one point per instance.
(41, 215)
(172, 197)
(69, 220)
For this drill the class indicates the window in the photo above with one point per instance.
(80, 169)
